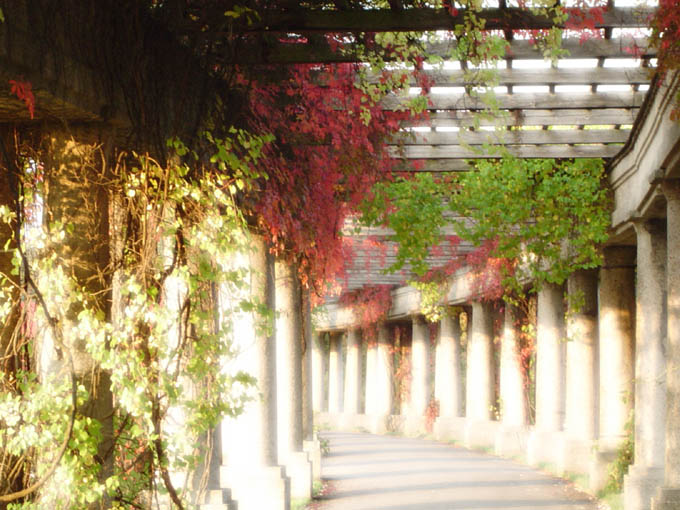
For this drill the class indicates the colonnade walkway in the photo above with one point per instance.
(372, 472)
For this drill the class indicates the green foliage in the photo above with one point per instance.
(177, 262)
(550, 218)
(546, 219)
(624, 458)
(413, 208)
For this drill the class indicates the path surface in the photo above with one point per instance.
(370, 472)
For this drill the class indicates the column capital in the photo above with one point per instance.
(670, 188)
(650, 225)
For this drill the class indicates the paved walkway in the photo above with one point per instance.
(370, 472)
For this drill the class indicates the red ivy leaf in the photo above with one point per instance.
(22, 89)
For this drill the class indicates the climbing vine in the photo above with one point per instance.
(163, 345)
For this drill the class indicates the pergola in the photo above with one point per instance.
(582, 105)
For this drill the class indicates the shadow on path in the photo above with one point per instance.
(372, 472)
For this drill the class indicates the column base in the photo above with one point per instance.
(666, 498)
(218, 499)
(255, 488)
(313, 449)
(511, 441)
(299, 470)
(377, 423)
(414, 426)
(480, 434)
(541, 448)
(574, 455)
(598, 474)
(449, 428)
(350, 422)
(639, 486)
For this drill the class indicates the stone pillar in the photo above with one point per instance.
(317, 372)
(448, 380)
(370, 396)
(335, 376)
(479, 398)
(76, 195)
(420, 368)
(580, 425)
(650, 387)
(352, 378)
(551, 351)
(512, 436)
(480, 366)
(310, 442)
(249, 441)
(617, 352)
(668, 496)
(289, 331)
(381, 381)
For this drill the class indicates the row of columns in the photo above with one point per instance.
(611, 348)
(270, 454)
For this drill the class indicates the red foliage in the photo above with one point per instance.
(22, 89)
(328, 153)
(665, 25)
(584, 17)
(370, 304)
(488, 271)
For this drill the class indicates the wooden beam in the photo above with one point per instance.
(558, 117)
(523, 137)
(304, 53)
(422, 19)
(527, 101)
(599, 75)
(521, 151)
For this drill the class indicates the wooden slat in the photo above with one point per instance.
(434, 165)
(524, 137)
(521, 151)
(421, 19)
(598, 75)
(559, 117)
(287, 53)
(527, 101)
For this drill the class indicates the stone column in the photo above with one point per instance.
(420, 368)
(318, 368)
(289, 331)
(249, 441)
(551, 351)
(480, 366)
(448, 381)
(310, 442)
(479, 397)
(335, 376)
(668, 496)
(512, 436)
(617, 352)
(76, 195)
(650, 387)
(352, 378)
(370, 396)
(381, 381)
(580, 424)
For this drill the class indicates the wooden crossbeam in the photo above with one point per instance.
(527, 101)
(522, 137)
(422, 19)
(521, 151)
(599, 75)
(557, 117)
(314, 52)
